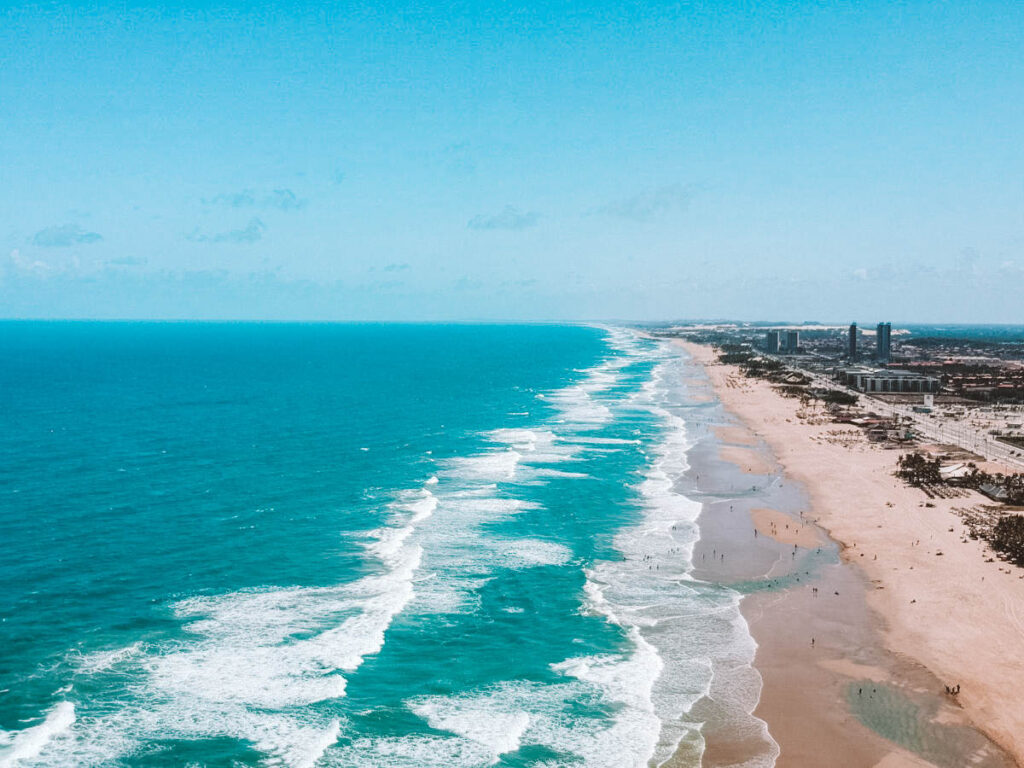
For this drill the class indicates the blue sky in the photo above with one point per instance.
(543, 161)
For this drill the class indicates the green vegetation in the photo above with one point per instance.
(735, 358)
(763, 368)
(789, 390)
(1008, 538)
(838, 397)
(919, 470)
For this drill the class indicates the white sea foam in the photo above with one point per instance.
(628, 682)
(101, 661)
(497, 731)
(535, 446)
(422, 508)
(460, 550)
(257, 654)
(501, 718)
(525, 553)
(410, 751)
(583, 405)
(269, 649)
(493, 466)
(578, 408)
(688, 639)
(695, 629)
(307, 754)
(590, 440)
(286, 647)
(461, 554)
(17, 747)
(286, 740)
(540, 474)
(649, 697)
(535, 450)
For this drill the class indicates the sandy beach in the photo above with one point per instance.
(855, 659)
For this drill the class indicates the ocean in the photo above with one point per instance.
(355, 545)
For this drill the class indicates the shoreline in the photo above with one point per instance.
(868, 691)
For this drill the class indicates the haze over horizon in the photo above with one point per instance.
(548, 161)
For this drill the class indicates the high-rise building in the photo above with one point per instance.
(792, 342)
(771, 342)
(883, 352)
(853, 342)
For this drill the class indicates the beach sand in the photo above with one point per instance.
(906, 620)
(783, 528)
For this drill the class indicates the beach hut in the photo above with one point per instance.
(994, 492)
(955, 474)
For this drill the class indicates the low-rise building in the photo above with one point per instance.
(887, 380)
(995, 492)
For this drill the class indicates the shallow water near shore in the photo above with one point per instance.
(914, 721)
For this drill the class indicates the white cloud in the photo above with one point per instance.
(64, 235)
(509, 218)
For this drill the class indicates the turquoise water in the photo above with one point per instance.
(350, 546)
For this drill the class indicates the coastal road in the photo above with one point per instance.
(956, 432)
(936, 427)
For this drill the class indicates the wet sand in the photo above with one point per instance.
(735, 435)
(845, 700)
(747, 459)
(784, 529)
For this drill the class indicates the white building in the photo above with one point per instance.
(887, 380)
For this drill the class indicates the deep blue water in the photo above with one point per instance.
(241, 544)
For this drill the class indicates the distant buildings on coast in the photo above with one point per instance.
(854, 374)
(932, 372)
(873, 380)
(883, 342)
(787, 342)
(904, 364)
(777, 344)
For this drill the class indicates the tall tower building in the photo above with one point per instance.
(883, 352)
(771, 342)
(853, 342)
(792, 342)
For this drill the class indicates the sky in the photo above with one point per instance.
(546, 161)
